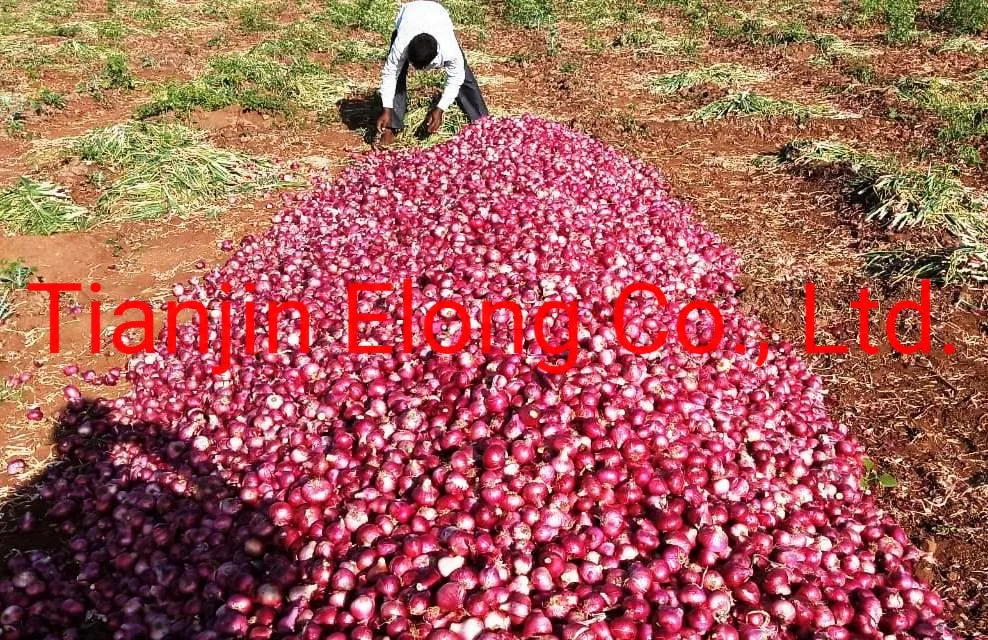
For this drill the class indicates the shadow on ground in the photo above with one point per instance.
(132, 531)
(360, 113)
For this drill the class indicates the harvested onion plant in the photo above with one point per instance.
(128, 143)
(369, 15)
(546, 489)
(720, 75)
(254, 80)
(415, 120)
(6, 313)
(15, 274)
(747, 104)
(531, 14)
(13, 109)
(349, 50)
(964, 44)
(183, 180)
(965, 264)
(900, 198)
(600, 13)
(961, 105)
(40, 208)
(162, 169)
(650, 39)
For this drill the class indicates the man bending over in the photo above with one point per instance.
(424, 38)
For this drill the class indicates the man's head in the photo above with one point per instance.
(422, 50)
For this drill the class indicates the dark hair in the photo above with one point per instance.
(422, 50)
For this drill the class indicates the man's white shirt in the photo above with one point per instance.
(424, 16)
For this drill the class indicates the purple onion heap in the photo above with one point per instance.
(416, 495)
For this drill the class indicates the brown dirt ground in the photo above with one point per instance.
(923, 419)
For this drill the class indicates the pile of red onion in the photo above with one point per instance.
(416, 495)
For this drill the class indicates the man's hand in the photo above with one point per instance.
(435, 121)
(384, 120)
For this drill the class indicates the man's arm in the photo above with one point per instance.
(389, 75)
(456, 73)
(392, 64)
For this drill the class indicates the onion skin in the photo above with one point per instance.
(570, 488)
